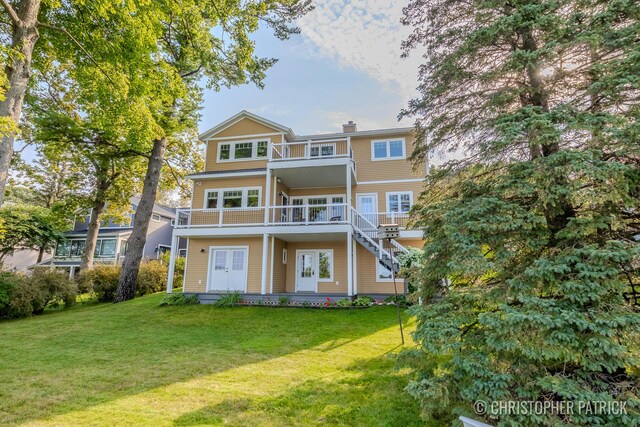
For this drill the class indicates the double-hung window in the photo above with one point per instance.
(392, 149)
(242, 150)
(399, 201)
(232, 198)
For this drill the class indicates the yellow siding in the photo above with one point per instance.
(198, 262)
(367, 273)
(279, 269)
(339, 285)
(220, 183)
(383, 170)
(243, 130)
(382, 189)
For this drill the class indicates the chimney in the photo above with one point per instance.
(349, 127)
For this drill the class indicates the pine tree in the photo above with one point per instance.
(536, 226)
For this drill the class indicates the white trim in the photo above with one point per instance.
(388, 140)
(349, 263)
(243, 202)
(355, 266)
(265, 248)
(230, 174)
(388, 193)
(230, 248)
(391, 181)
(331, 276)
(252, 136)
(285, 255)
(156, 215)
(295, 284)
(254, 150)
(306, 198)
(237, 118)
(316, 259)
(160, 245)
(244, 231)
(375, 198)
(180, 253)
(273, 243)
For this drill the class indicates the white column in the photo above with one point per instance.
(355, 266)
(348, 213)
(172, 263)
(273, 243)
(267, 196)
(349, 264)
(265, 248)
(275, 201)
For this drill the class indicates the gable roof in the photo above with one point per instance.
(157, 208)
(244, 114)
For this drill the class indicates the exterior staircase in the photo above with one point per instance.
(366, 233)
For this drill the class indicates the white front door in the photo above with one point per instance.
(306, 272)
(367, 205)
(227, 270)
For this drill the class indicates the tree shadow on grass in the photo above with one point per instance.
(77, 359)
(370, 392)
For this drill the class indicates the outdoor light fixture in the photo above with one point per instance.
(202, 250)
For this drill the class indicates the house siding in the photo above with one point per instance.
(198, 262)
(280, 269)
(221, 183)
(340, 276)
(382, 170)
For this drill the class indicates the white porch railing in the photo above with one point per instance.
(277, 215)
(377, 218)
(308, 150)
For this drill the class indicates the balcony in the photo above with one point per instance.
(309, 164)
(253, 217)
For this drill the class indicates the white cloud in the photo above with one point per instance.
(364, 35)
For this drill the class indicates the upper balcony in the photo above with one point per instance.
(313, 163)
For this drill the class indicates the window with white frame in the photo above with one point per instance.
(242, 150)
(391, 149)
(285, 255)
(325, 265)
(155, 217)
(232, 198)
(399, 201)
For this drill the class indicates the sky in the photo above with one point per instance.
(345, 65)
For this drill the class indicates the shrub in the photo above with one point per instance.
(179, 299)
(178, 269)
(152, 278)
(363, 301)
(101, 279)
(45, 287)
(345, 302)
(397, 299)
(284, 300)
(228, 300)
(8, 281)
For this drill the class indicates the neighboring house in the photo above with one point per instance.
(112, 239)
(277, 213)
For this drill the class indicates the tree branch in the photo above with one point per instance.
(68, 34)
(12, 13)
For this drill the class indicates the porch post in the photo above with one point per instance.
(349, 263)
(265, 242)
(355, 266)
(172, 263)
(273, 242)
(267, 196)
(347, 215)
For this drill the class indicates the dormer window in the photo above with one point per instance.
(242, 150)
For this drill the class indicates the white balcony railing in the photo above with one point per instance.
(277, 215)
(336, 213)
(309, 150)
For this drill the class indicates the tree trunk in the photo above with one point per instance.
(99, 203)
(40, 255)
(129, 275)
(18, 72)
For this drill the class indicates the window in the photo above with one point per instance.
(285, 254)
(243, 150)
(211, 199)
(383, 274)
(105, 248)
(399, 202)
(123, 247)
(155, 217)
(173, 222)
(323, 150)
(253, 198)
(182, 252)
(321, 213)
(232, 198)
(161, 249)
(62, 249)
(388, 150)
(325, 265)
(77, 247)
(225, 151)
(262, 148)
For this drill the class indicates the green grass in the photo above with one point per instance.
(136, 363)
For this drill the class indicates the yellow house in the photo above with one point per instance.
(276, 213)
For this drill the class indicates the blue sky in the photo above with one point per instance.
(345, 65)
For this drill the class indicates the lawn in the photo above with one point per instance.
(136, 363)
